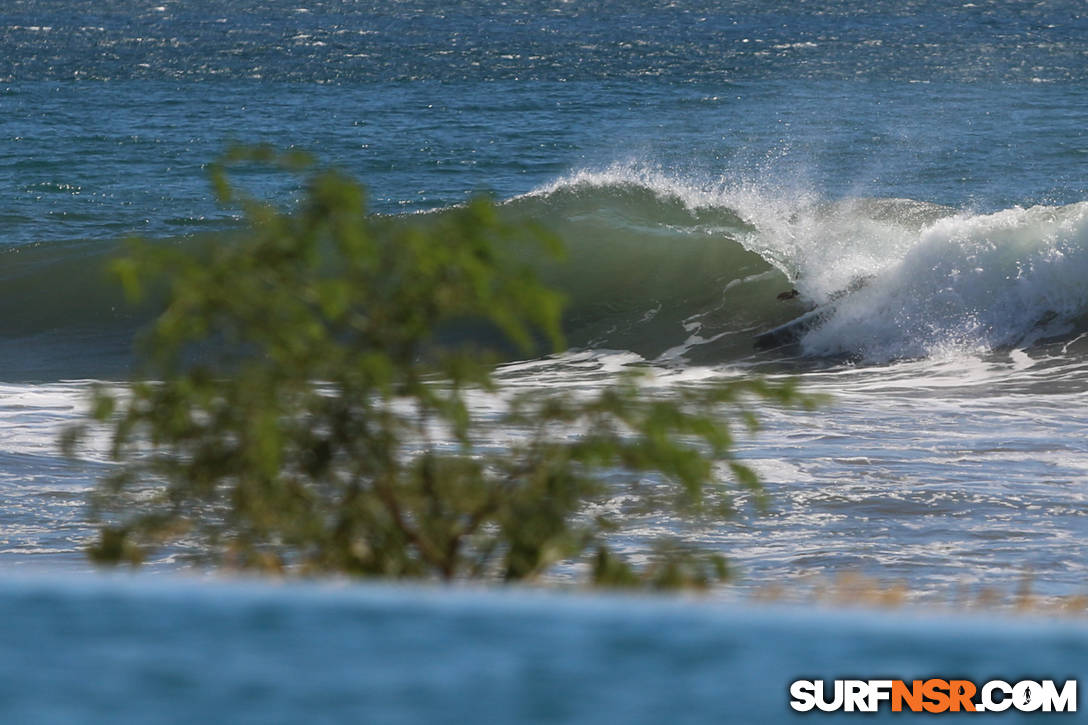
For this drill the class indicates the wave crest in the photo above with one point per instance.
(972, 282)
(672, 269)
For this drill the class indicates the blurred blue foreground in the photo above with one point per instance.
(145, 650)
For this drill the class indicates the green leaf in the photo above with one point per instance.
(303, 406)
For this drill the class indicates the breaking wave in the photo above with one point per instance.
(693, 272)
(667, 268)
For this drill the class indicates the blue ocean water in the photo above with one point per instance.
(768, 116)
(918, 171)
(138, 651)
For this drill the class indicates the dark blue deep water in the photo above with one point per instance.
(110, 111)
(929, 159)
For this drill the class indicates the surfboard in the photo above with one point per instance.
(790, 332)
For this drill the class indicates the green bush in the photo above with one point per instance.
(303, 410)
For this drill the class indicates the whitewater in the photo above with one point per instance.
(891, 278)
(951, 345)
(917, 174)
(909, 179)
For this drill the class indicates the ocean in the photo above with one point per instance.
(917, 171)
(109, 651)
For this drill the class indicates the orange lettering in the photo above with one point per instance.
(912, 695)
(937, 692)
(961, 692)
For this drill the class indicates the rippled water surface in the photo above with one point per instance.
(917, 171)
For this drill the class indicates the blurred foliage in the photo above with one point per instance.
(299, 410)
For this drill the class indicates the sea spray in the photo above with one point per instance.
(898, 278)
(684, 270)
(974, 282)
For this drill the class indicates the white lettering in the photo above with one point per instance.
(835, 703)
(803, 693)
(1065, 701)
(879, 690)
(988, 701)
(1027, 696)
(856, 695)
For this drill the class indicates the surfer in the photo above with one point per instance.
(792, 331)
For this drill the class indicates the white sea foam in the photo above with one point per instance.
(933, 280)
(969, 282)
